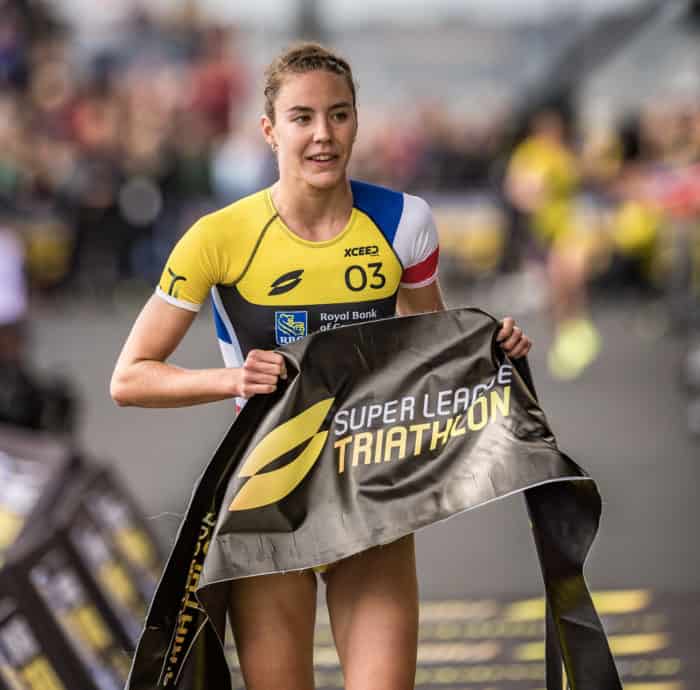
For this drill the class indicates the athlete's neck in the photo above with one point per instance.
(313, 214)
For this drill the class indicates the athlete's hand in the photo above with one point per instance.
(260, 373)
(512, 339)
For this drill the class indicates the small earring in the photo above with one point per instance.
(274, 147)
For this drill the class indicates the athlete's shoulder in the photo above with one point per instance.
(407, 222)
(390, 209)
(373, 196)
(229, 233)
(252, 211)
(367, 191)
(417, 212)
(215, 249)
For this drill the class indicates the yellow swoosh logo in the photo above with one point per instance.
(270, 487)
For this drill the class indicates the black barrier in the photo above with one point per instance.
(57, 603)
(112, 550)
(34, 469)
(79, 566)
(24, 664)
(110, 504)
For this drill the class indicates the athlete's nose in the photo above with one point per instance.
(322, 132)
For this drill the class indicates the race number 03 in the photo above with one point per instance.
(356, 277)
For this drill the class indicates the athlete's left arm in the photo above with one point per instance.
(429, 298)
(420, 300)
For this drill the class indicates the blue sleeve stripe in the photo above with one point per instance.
(384, 206)
(221, 332)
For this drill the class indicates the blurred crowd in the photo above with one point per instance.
(98, 157)
(617, 207)
(103, 156)
(107, 156)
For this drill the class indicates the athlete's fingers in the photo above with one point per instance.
(267, 360)
(513, 340)
(251, 389)
(265, 356)
(258, 367)
(521, 349)
(254, 377)
(506, 329)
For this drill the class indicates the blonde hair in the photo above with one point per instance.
(298, 59)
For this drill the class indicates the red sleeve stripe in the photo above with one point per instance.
(422, 271)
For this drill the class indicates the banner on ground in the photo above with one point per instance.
(381, 429)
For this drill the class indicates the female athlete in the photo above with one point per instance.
(314, 251)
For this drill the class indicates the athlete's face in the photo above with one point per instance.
(314, 129)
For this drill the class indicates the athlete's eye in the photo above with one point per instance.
(302, 119)
(341, 116)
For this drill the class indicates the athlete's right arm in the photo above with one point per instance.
(143, 378)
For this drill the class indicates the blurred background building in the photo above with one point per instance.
(558, 143)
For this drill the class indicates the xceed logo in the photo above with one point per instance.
(285, 282)
(269, 487)
(370, 250)
(290, 326)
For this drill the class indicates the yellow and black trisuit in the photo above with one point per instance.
(270, 287)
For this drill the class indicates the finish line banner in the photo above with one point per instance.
(380, 429)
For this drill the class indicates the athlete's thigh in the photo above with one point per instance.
(272, 618)
(373, 606)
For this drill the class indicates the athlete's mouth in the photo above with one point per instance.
(322, 157)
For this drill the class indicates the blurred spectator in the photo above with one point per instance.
(242, 164)
(635, 219)
(13, 293)
(542, 182)
(24, 401)
(218, 82)
(12, 153)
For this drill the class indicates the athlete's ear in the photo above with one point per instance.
(267, 129)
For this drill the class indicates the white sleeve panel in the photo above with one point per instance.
(416, 242)
(183, 304)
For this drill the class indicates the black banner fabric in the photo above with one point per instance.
(380, 429)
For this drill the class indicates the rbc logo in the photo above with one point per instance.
(290, 326)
